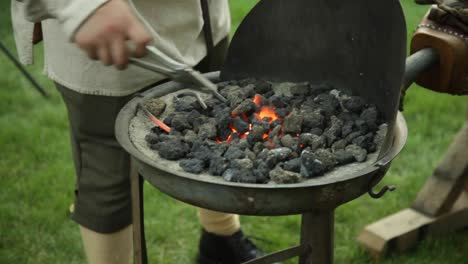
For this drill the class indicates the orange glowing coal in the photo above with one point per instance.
(265, 112)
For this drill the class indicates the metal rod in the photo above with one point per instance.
(23, 71)
(139, 240)
(278, 256)
(317, 231)
(417, 64)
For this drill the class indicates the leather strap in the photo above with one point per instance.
(207, 30)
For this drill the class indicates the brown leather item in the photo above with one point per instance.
(451, 74)
(37, 33)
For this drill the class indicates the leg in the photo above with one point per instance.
(102, 198)
(317, 232)
(218, 223)
(107, 248)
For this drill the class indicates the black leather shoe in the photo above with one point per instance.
(234, 249)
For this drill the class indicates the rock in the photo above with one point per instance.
(317, 142)
(310, 165)
(340, 144)
(240, 125)
(255, 135)
(334, 130)
(343, 157)
(258, 147)
(192, 165)
(180, 122)
(152, 138)
(193, 116)
(327, 158)
(156, 106)
(328, 103)
(365, 142)
(313, 120)
(246, 107)
(352, 136)
(250, 154)
(223, 117)
(300, 89)
(283, 88)
(370, 116)
(354, 104)
(234, 175)
(347, 128)
(282, 112)
(234, 152)
(358, 153)
(241, 164)
(279, 175)
(262, 87)
(185, 103)
(190, 136)
(218, 166)
(293, 165)
(277, 155)
(275, 132)
(293, 123)
(200, 151)
(173, 149)
(316, 131)
(288, 141)
(207, 131)
(168, 119)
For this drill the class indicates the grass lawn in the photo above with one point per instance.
(36, 178)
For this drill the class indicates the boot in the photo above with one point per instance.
(233, 249)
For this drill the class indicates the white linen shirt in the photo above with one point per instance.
(177, 26)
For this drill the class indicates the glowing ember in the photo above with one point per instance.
(267, 112)
(257, 99)
(155, 120)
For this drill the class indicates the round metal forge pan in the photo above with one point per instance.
(214, 193)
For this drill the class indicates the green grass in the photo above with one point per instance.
(36, 177)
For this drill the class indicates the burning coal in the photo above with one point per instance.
(281, 132)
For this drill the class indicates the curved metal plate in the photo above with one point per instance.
(357, 45)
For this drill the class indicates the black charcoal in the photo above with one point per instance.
(192, 165)
(279, 175)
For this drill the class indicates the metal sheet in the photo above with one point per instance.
(358, 45)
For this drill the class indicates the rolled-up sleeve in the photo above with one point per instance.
(71, 14)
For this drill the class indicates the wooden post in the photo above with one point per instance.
(440, 207)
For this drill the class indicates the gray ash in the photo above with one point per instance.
(280, 132)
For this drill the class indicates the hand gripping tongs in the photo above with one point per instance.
(176, 71)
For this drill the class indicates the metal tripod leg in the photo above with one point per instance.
(139, 241)
(317, 231)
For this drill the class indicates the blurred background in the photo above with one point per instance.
(37, 178)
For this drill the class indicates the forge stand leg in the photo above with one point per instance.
(317, 231)
(139, 241)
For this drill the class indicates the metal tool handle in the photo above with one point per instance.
(164, 59)
(151, 66)
(417, 64)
